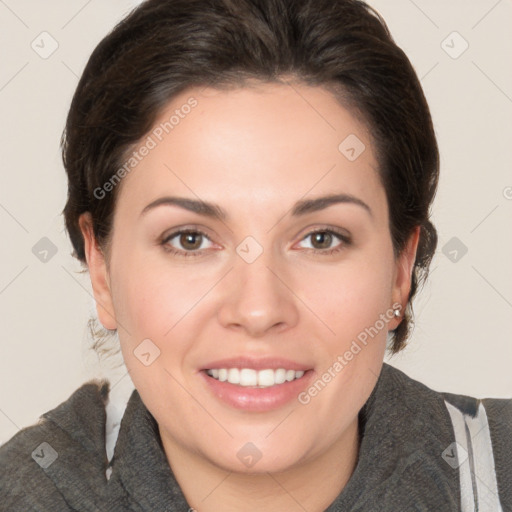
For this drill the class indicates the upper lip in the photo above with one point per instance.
(263, 363)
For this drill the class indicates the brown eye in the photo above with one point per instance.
(321, 240)
(326, 241)
(191, 241)
(186, 243)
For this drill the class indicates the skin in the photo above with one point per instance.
(254, 151)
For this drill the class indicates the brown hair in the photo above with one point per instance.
(166, 46)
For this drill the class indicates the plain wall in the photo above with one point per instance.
(462, 342)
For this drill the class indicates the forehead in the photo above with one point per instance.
(257, 143)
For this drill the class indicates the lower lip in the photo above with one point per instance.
(257, 399)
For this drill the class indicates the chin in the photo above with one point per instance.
(258, 458)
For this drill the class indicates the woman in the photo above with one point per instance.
(249, 187)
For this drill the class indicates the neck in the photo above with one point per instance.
(312, 484)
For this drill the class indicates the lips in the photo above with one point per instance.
(256, 384)
(272, 363)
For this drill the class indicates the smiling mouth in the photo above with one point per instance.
(248, 377)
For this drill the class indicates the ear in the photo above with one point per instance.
(403, 274)
(99, 274)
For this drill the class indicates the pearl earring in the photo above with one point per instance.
(396, 312)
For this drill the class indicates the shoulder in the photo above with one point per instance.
(467, 405)
(499, 412)
(494, 413)
(482, 433)
(75, 428)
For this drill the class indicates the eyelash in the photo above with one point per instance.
(344, 239)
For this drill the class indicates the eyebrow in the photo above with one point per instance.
(300, 208)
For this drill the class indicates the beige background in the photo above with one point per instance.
(462, 342)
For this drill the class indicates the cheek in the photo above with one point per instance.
(351, 300)
(144, 297)
(151, 295)
(352, 295)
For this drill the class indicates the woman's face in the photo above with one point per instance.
(251, 292)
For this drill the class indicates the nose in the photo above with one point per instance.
(257, 299)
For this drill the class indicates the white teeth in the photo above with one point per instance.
(254, 378)
(280, 376)
(234, 376)
(248, 377)
(266, 378)
(290, 375)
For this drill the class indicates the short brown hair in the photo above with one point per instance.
(166, 46)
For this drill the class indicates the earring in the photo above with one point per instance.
(396, 312)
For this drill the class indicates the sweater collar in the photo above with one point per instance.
(140, 464)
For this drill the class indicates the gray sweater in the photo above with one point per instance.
(420, 451)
